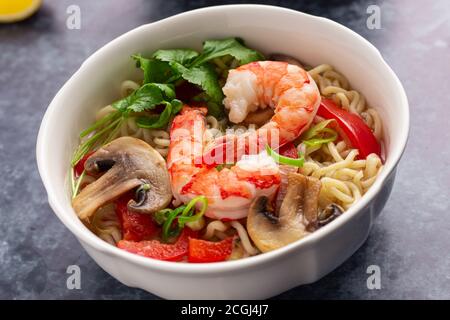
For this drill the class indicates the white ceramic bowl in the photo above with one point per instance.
(269, 29)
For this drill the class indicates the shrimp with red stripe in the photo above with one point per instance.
(286, 88)
(293, 95)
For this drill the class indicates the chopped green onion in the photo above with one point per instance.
(316, 135)
(315, 130)
(319, 141)
(77, 185)
(161, 216)
(285, 160)
(167, 231)
(312, 149)
(184, 213)
(72, 179)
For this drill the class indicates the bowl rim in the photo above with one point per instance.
(87, 237)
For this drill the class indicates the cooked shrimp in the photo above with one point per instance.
(286, 88)
(229, 191)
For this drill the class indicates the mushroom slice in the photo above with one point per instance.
(331, 212)
(298, 209)
(124, 164)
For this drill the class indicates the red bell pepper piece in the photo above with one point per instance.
(208, 251)
(158, 250)
(135, 226)
(356, 131)
(289, 150)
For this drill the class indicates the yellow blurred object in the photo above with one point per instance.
(17, 10)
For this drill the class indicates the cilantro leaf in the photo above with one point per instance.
(146, 97)
(177, 105)
(156, 121)
(161, 120)
(232, 46)
(182, 56)
(205, 77)
(154, 70)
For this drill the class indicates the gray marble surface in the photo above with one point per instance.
(410, 241)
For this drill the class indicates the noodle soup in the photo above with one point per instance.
(224, 154)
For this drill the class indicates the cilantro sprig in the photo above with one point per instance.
(172, 65)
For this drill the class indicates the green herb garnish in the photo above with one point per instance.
(145, 98)
(285, 160)
(184, 214)
(319, 134)
(182, 56)
(234, 47)
(171, 65)
(76, 185)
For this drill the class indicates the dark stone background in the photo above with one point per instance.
(410, 240)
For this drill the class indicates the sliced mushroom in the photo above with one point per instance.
(299, 208)
(125, 164)
(331, 212)
(325, 216)
(285, 58)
